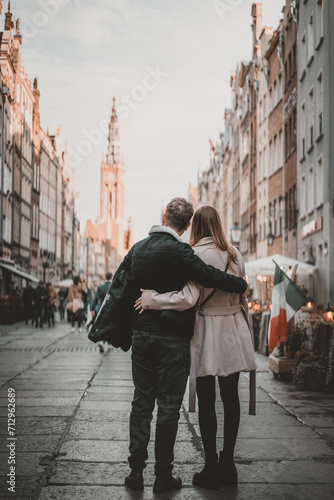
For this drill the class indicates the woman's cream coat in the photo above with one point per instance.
(222, 343)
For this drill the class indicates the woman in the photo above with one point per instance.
(76, 301)
(222, 345)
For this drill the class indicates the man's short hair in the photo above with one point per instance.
(179, 213)
(108, 276)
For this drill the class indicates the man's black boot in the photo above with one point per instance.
(162, 484)
(135, 480)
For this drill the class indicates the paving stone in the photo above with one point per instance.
(106, 405)
(33, 443)
(117, 451)
(41, 411)
(27, 464)
(36, 425)
(105, 397)
(24, 489)
(285, 449)
(244, 492)
(36, 402)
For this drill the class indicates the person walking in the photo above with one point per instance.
(76, 301)
(40, 301)
(62, 297)
(100, 295)
(160, 340)
(51, 305)
(28, 300)
(222, 346)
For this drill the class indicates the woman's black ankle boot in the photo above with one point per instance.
(209, 476)
(227, 471)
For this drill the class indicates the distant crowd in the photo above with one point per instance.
(41, 305)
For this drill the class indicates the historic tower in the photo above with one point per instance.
(110, 239)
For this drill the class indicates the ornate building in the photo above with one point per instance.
(107, 234)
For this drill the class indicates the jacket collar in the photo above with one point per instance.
(205, 241)
(165, 229)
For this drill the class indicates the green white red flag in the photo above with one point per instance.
(287, 299)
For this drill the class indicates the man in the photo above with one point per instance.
(97, 303)
(160, 342)
(28, 299)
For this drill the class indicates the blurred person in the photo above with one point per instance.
(28, 299)
(76, 301)
(41, 297)
(100, 295)
(62, 297)
(51, 305)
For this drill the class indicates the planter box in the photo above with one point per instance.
(280, 366)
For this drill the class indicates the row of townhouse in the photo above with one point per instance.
(271, 171)
(38, 227)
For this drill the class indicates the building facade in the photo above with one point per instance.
(32, 165)
(315, 147)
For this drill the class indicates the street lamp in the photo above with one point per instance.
(45, 264)
(270, 237)
(236, 234)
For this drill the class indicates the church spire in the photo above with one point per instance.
(113, 149)
(8, 22)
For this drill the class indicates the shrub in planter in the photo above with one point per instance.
(297, 337)
(309, 370)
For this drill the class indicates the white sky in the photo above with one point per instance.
(84, 51)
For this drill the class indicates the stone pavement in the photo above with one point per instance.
(72, 408)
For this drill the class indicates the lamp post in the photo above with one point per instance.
(236, 234)
(45, 264)
(270, 237)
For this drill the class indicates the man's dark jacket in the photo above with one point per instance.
(163, 263)
(101, 292)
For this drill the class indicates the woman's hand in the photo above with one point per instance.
(138, 304)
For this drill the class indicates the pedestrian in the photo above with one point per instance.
(62, 297)
(51, 305)
(221, 347)
(76, 301)
(100, 294)
(28, 299)
(160, 340)
(40, 302)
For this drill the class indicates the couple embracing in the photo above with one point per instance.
(188, 317)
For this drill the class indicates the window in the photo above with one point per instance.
(310, 197)
(310, 113)
(303, 196)
(270, 157)
(303, 52)
(260, 225)
(320, 177)
(310, 37)
(320, 20)
(281, 209)
(294, 205)
(264, 106)
(275, 166)
(294, 59)
(319, 103)
(279, 149)
(302, 130)
(275, 218)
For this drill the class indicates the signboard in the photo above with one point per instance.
(312, 227)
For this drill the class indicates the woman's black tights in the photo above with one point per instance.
(206, 392)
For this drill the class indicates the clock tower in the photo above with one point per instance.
(109, 239)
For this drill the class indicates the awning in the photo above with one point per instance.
(18, 272)
(266, 266)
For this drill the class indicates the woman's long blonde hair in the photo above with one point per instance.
(206, 222)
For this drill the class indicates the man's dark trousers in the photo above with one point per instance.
(160, 369)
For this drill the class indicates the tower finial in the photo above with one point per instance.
(9, 25)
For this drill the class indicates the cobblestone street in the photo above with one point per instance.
(72, 409)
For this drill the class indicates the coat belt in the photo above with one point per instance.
(220, 310)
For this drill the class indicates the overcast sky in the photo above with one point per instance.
(167, 61)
